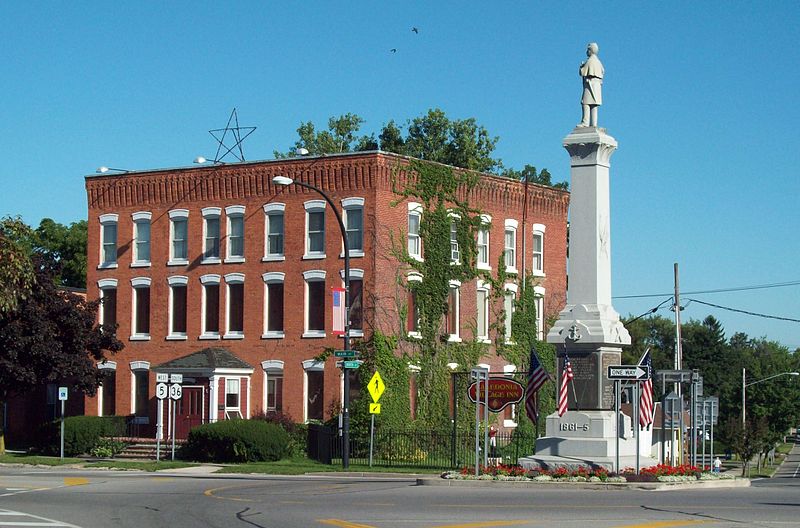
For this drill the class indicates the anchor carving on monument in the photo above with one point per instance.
(574, 333)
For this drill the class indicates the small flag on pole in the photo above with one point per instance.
(338, 311)
(537, 376)
(646, 398)
(566, 377)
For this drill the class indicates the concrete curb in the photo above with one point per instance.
(650, 486)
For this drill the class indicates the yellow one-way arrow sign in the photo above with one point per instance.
(376, 387)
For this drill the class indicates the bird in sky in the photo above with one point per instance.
(415, 30)
(393, 50)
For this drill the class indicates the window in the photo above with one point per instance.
(108, 236)
(211, 235)
(108, 388)
(356, 301)
(235, 305)
(273, 304)
(315, 303)
(511, 246)
(177, 307)
(140, 386)
(108, 304)
(413, 316)
(455, 254)
(273, 385)
(509, 298)
(414, 240)
(538, 303)
(537, 267)
(510, 412)
(483, 243)
(354, 225)
(274, 226)
(210, 322)
(452, 316)
(179, 232)
(315, 389)
(231, 393)
(141, 309)
(482, 322)
(315, 229)
(141, 238)
(235, 214)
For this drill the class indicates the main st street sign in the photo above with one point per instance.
(502, 393)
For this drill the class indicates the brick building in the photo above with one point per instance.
(218, 274)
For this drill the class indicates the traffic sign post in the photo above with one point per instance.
(344, 354)
(375, 388)
(627, 372)
(352, 364)
(175, 393)
(63, 394)
(162, 391)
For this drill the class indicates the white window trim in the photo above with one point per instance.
(415, 208)
(538, 293)
(176, 280)
(178, 214)
(538, 230)
(106, 219)
(454, 218)
(210, 213)
(208, 279)
(314, 206)
(232, 278)
(486, 225)
(309, 365)
(510, 224)
(107, 283)
(355, 202)
(272, 277)
(509, 287)
(456, 337)
(358, 274)
(484, 287)
(137, 366)
(273, 208)
(413, 277)
(139, 282)
(138, 217)
(270, 367)
(238, 381)
(102, 285)
(234, 211)
(311, 276)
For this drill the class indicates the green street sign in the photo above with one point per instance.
(352, 364)
(344, 353)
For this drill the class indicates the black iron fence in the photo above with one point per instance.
(423, 449)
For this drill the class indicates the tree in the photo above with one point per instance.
(340, 137)
(530, 175)
(16, 269)
(66, 245)
(744, 440)
(50, 337)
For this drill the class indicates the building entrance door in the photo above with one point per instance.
(191, 410)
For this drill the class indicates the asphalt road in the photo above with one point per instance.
(100, 499)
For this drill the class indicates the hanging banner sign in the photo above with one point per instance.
(338, 311)
(502, 393)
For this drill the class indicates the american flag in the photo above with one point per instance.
(566, 377)
(537, 376)
(646, 390)
(338, 311)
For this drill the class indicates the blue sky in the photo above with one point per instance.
(702, 97)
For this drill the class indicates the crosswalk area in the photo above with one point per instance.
(15, 518)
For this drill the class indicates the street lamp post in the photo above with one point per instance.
(285, 181)
(745, 385)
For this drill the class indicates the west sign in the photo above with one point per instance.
(502, 392)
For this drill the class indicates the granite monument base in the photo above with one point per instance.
(587, 438)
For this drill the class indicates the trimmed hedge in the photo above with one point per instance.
(237, 441)
(81, 433)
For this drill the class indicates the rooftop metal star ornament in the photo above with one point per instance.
(238, 134)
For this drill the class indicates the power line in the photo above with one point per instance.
(650, 311)
(746, 312)
(718, 290)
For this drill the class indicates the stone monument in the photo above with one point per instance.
(588, 329)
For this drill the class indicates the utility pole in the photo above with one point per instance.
(678, 359)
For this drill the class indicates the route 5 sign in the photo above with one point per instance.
(161, 391)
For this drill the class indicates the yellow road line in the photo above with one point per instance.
(343, 524)
(663, 524)
(75, 481)
(485, 524)
(210, 493)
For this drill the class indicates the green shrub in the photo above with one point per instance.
(237, 441)
(107, 448)
(81, 433)
(298, 433)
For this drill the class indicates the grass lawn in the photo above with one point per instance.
(21, 458)
(144, 465)
(299, 466)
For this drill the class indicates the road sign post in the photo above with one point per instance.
(162, 391)
(63, 394)
(175, 394)
(375, 388)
